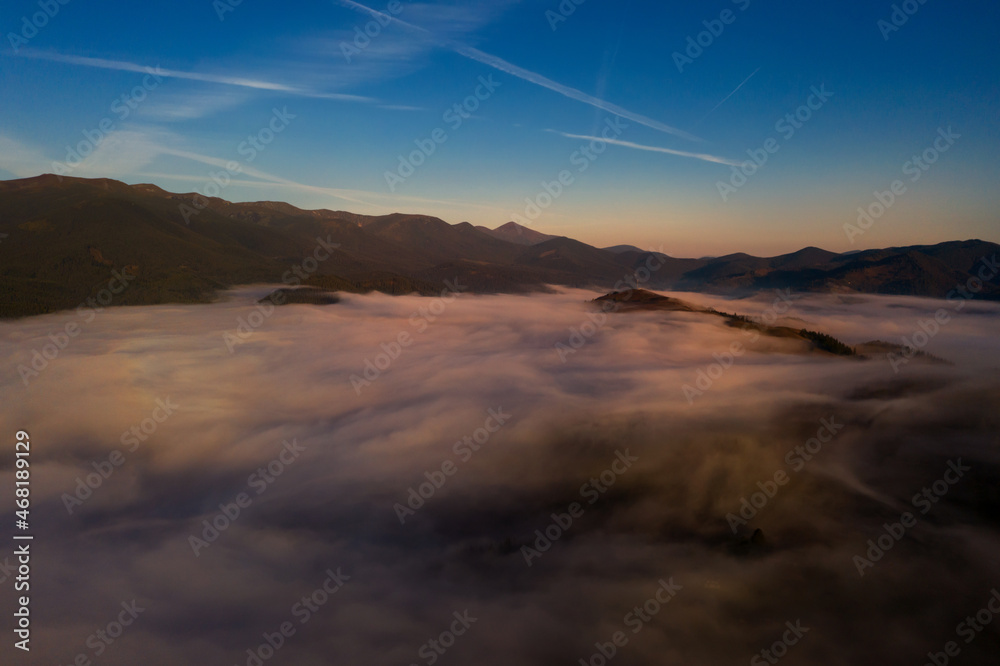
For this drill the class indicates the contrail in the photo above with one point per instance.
(529, 76)
(361, 197)
(123, 66)
(654, 149)
(346, 195)
(730, 95)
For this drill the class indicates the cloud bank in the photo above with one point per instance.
(360, 449)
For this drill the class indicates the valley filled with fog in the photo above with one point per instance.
(531, 462)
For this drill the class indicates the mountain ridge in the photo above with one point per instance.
(65, 235)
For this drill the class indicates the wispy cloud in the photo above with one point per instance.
(401, 107)
(125, 154)
(347, 195)
(457, 18)
(653, 149)
(21, 159)
(123, 151)
(532, 77)
(243, 82)
(265, 179)
(192, 104)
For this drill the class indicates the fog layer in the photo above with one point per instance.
(654, 426)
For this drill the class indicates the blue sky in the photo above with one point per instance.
(344, 120)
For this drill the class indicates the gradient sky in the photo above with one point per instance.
(657, 187)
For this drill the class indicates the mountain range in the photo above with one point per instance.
(63, 239)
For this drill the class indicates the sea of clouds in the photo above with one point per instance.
(479, 398)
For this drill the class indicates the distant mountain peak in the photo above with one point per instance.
(620, 249)
(512, 232)
(513, 227)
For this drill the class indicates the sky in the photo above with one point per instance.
(495, 111)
